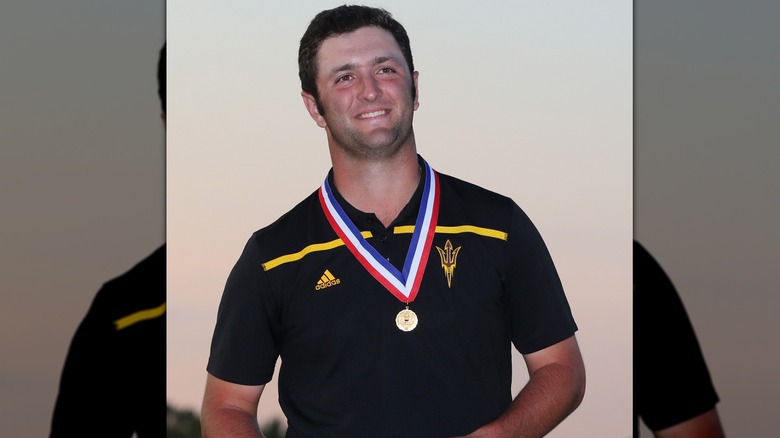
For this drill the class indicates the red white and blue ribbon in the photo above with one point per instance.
(404, 285)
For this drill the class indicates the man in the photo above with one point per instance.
(394, 292)
(113, 381)
(673, 391)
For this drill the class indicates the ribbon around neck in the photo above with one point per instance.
(405, 284)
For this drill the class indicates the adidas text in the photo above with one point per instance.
(330, 283)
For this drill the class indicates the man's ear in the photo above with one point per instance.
(415, 75)
(311, 107)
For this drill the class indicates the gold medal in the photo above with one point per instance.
(406, 320)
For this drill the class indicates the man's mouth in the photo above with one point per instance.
(372, 114)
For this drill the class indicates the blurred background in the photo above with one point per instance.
(82, 182)
(706, 155)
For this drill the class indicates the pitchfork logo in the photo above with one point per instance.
(448, 259)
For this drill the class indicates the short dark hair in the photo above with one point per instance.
(161, 75)
(338, 21)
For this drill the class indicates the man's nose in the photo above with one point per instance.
(370, 89)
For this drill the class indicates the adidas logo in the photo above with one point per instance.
(326, 281)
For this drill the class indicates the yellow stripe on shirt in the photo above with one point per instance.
(487, 232)
(141, 315)
(309, 249)
(406, 229)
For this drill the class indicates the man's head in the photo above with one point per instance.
(342, 20)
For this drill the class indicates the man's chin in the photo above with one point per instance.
(374, 150)
(378, 139)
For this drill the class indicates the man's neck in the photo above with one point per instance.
(382, 187)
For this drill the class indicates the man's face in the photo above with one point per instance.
(365, 89)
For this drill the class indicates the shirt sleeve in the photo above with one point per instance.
(541, 315)
(671, 380)
(244, 347)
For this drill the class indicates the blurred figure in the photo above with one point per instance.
(673, 392)
(113, 381)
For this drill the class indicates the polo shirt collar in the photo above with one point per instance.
(361, 219)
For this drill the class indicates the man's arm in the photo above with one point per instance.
(554, 390)
(230, 410)
(706, 425)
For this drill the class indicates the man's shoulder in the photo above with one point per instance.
(294, 218)
(302, 225)
(140, 288)
(150, 269)
(469, 190)
(465, 201)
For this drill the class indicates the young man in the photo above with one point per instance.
(393, 293)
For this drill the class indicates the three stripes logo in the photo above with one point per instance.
(327, 280)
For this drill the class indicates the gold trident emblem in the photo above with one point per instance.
(448, 257)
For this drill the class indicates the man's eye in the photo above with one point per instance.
(344, 78)
(386, 70)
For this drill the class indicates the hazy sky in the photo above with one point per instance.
(706, 186)
(81, 179)
(529, 99)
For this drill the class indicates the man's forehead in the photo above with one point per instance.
(369, 41)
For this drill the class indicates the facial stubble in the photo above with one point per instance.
(385, 143)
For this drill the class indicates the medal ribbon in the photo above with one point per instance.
(404, 285)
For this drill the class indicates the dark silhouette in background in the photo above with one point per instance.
(673, 392)
(113, 380)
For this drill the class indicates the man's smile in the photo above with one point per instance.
(372, 114)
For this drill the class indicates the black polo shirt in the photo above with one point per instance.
(347, 370)
(671, 380)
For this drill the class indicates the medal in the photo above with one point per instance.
(406, 320)
(405, 284)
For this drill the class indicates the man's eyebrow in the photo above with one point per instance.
(345, 67)
(352, 65)
(382, 59)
